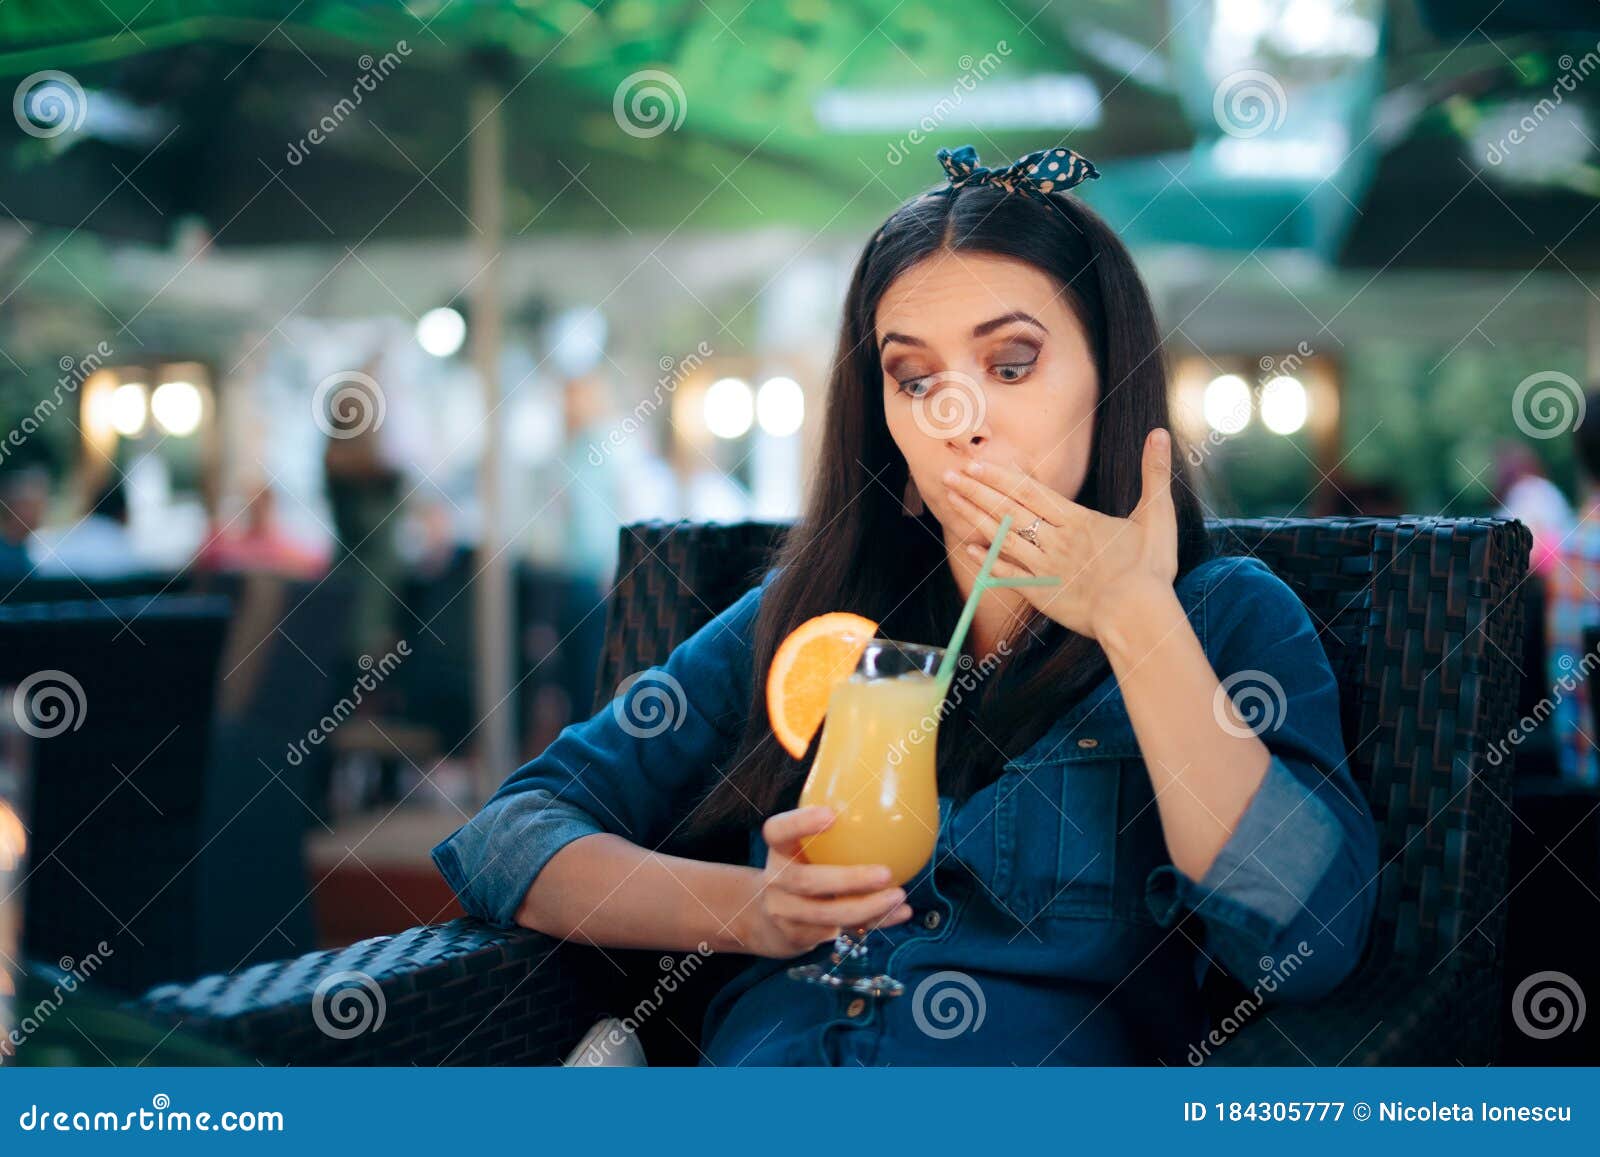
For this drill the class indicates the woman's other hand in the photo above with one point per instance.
(799, 905)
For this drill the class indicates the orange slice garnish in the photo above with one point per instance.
(817, 655)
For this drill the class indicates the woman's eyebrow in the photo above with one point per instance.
(979, 330)
(1015, 315)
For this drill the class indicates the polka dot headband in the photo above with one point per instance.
(1044, 171)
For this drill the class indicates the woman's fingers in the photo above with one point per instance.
(1001, 489)
(1002, 568)
(1155, 495)
(850, 910)
(784, 831)
(803, 936)
(829, 880)
(984, 507)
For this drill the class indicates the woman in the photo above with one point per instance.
(998, 355)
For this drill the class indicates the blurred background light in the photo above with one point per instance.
(177, 407)
(441, 331)
(1226, 404)
(780, 406)
(128, 409)
(729, 409)
(1284, 405)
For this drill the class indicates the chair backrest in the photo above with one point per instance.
(123, 690)
(69, 588)
(278, 674)
(1420, 619)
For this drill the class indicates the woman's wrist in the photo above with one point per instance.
(1133, 620)
(740, 910)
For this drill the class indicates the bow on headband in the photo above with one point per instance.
(1044, 171)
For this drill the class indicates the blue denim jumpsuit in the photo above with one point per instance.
(1046, 929)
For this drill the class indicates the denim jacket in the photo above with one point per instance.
(1050, 926)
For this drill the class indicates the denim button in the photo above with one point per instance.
(1088, 743)
(931, 919)
(855, 1007)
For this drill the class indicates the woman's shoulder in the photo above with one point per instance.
(1244, 572)
(1229, 590)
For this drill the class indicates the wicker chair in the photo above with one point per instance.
(1418, 620)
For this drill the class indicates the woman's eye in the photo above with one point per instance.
(915, 387)
(1012, 371)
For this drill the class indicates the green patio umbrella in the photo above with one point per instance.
(280, 121)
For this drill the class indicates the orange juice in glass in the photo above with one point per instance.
(875, 768)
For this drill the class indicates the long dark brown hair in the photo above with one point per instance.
(855, 549)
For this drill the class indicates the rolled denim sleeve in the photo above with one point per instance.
(1290, 895)
(633, 769)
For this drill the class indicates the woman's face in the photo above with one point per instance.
(983, 357)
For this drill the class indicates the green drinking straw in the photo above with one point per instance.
(953, 651)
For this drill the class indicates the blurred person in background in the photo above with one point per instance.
(1573, 604)
(97, 546)
(1361, 498)
(1527, 495)
(256, 541)
(24, 496)
(364, 493)
(591, 495)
